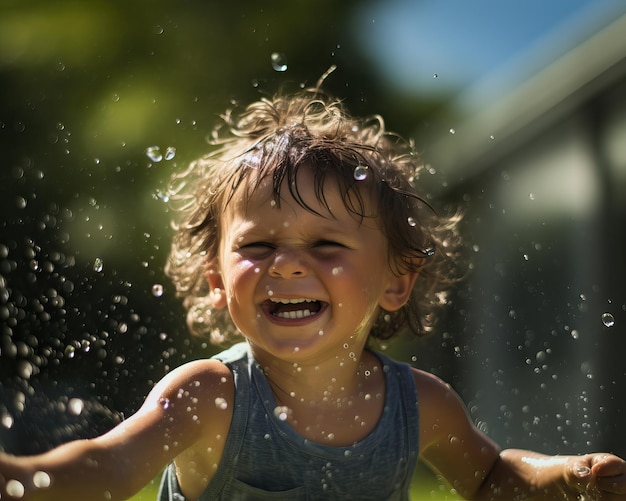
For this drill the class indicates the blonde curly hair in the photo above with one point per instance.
(273, 138)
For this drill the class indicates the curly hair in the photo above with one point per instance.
(273, 139)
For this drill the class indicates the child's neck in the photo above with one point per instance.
(347, 395)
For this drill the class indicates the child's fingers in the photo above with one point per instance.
(607, 465)
(610, 473)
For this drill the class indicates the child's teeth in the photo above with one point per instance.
(290, 301)
(294, 314)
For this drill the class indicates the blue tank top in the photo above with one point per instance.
(264, 458)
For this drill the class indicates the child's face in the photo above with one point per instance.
(299, 285)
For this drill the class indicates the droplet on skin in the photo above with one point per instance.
(337, 271)
(221, 403)
(360, 172)
(164, 402)
(608, 320)
(582, 471)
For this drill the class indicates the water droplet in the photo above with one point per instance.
(282, 412)
(20, 202)
(221, 403)
(452, 131)
(154, 153)
(360, 172)
(170, 153)
(411, 221)
(164, 402)
(75, 406)
(7, 421)
(608, 320)
(157, 290)
(279, 61)
(14, 488)
(41, 480)
(337, 271)
(582, 471)
(163, 197)
(435, 75)
(98, 265)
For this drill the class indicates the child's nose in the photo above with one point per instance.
(288, 263)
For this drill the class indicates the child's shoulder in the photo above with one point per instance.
(202, 382)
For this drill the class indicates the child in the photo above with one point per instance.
(303, 233)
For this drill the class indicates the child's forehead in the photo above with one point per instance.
(253, 194)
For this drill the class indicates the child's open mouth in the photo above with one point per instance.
(292, 309)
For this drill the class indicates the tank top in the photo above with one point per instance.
(265, 458)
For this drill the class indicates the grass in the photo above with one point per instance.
(426, 486)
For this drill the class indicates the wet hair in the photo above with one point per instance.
(272, 139)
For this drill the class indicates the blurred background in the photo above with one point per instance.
(519, 112)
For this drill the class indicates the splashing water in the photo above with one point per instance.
(14, 488)
(98, 265)
(159, 195)
(75, 406)
(360, 172)
(279, 61)
(170, 153)
(608, 320)
(41, 480)
(154, 153)
(282, 412)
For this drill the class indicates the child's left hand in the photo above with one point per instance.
(596, 477)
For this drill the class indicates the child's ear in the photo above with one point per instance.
(398, 291)
(216, 286)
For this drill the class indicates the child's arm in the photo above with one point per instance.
(477, 469)
(179, 412)
(591, 476)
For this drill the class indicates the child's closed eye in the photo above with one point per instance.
(328, 243)
(257, 249)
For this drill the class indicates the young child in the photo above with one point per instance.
(302, 231)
